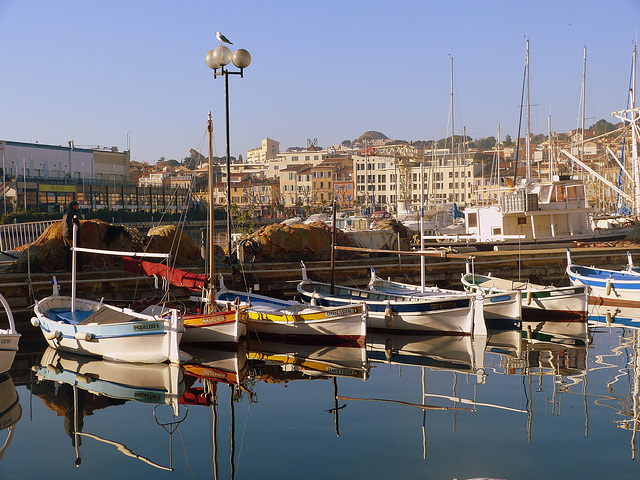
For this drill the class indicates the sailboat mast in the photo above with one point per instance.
(422, 258)
(584, 78)
(497, 184)
(366, 176)
(210, 256)
(528, 141)
(453, 166)
(550, 152)
(634, 138)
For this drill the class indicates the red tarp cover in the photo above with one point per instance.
(176, 277)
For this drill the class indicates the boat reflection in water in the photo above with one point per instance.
(448, 352)
(10, 409)
(614, 316)
(277, 361)
(267, 361)
(440, 354)
(621, 369)
(562, 331)
(507, 343)
(75, 386)
(228, 365)
(211, 369)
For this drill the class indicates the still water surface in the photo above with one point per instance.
(558, 406)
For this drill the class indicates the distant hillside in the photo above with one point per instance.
(372, 135)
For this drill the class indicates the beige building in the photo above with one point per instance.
(323, 177)
(295, 185)
(297, 157)
(112, 165)
(266, 152)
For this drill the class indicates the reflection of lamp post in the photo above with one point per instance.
(219, 59)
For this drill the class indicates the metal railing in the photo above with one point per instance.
(16, 234)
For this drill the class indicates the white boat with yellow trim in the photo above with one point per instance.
(228, 326)
(272, 316)
(342, 323)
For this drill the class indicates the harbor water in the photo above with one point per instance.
(555, 405)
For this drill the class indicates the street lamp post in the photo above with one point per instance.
(219, 59)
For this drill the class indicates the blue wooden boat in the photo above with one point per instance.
(617, 288)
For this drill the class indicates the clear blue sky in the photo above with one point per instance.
(92, 71)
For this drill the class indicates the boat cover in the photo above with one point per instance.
(180, 278)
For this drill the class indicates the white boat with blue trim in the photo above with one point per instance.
(112, 333)
(453, 315)
(95, 328)
(9, 339)
(616, 288)
(554, 303)
(500, 309)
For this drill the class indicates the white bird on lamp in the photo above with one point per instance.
(222, 38)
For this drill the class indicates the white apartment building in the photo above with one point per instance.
(156, 179)
(40, 161)
(392, 186)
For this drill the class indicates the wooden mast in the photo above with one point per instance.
(211, 300)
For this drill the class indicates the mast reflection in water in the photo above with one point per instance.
(547, 401)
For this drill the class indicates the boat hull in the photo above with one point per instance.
(555, 303)
(141, 339)
(453, 316)
(344, 323)
(607, 287)
(272, 316)
(499, 310)
(220, 327)
(8, 348)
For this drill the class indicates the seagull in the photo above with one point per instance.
(222, 38)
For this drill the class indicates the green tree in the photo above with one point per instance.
(507, 141)
(485, 143)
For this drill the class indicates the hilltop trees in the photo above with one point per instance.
(602, 127)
